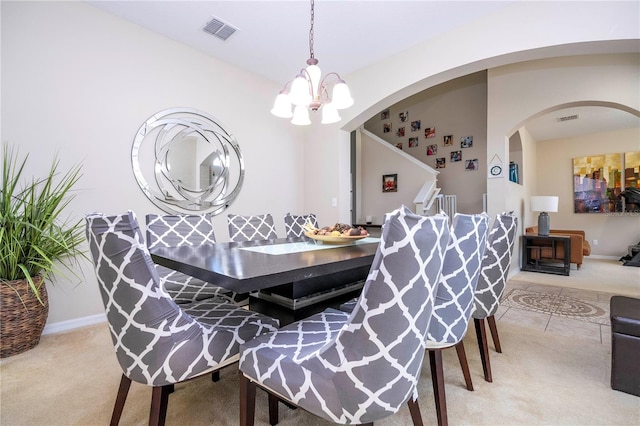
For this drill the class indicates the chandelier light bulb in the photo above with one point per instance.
(300, 94)
(282, 106)
(341, 96)
(330, 114)
(300, 116)
(314, 73)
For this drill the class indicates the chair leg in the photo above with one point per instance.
(437, 378)
(123, 390)
(484, 348)
(247, 400)
(462, 357)
(215, 376)
(414, 409)
(159, 402)
(494, 332)
(273, 409)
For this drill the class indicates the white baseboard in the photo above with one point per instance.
(598, 256)
(61, 326)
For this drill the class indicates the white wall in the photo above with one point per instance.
(378, 158)
(521, 91)
(80, 82)
(614, 232)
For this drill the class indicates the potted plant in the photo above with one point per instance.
(34, 242)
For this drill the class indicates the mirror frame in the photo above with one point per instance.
(162, 134)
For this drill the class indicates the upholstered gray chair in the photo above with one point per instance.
(294, 224)
(180, 230)
(454, 300)
(493, 277)
(251, 228)
(359, 367)
(157, 342)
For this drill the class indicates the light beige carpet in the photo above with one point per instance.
(541, 378)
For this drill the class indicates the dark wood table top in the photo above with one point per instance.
(230, 266)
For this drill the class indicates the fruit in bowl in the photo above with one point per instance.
(337, 230)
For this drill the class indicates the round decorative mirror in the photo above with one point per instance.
(185, 161)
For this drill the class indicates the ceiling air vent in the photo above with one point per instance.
(219, 28)
(569, 117)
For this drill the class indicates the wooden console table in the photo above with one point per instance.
(532, 259)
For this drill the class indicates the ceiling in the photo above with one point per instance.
(272, 39)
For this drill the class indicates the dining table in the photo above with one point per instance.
(287, 278)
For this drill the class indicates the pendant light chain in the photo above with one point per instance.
(311, 32)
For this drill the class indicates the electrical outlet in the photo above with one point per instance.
(595, 242)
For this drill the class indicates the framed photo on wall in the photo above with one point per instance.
(430, 132)
(390, 183)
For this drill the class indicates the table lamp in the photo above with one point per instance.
(544, 204)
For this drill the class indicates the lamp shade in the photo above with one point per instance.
(282, 106)
(544, 203)
(329, 114)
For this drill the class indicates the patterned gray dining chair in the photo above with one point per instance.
(454, 300)
(294, 224)
(181, 230)
(251, 228)
(157, 342)
(361, 367)
(493, 277)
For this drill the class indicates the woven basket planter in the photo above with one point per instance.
(22, 316)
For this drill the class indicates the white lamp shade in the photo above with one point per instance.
(544, 203)
(341, 97)
(299, 94)
(282, 106)
(330, 114)
(300, 116)
(314, 75)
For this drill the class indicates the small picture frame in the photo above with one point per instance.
(386, 127)
(413, 142)
(456, 156)
(471, 165)
(430, 132)
(415, 126)
(432, 149)
(399, 145)
(440, 163)
(390, 183)
(466, 142)
(404, 116)
(384, 115)
(400, 132)
(447, 140)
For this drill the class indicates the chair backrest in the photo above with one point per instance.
(251, 228)
(294, 224)
(378, 353)
(460, 271)
(147, 328)
(179, 230)
(495, 265)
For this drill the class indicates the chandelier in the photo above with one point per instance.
(308, 91)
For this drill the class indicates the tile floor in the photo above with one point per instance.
(553, 323)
